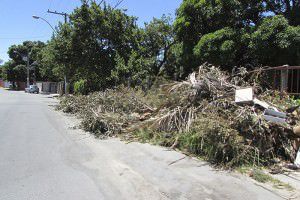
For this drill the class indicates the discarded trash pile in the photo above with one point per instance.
(212, 114)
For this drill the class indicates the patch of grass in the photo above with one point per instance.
(156, 138)
(281, 185)
(143, 135)
(243, 169)
(262, 177)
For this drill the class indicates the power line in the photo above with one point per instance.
(95, 1)
(22, 38)
(100, 2)
(50, 4)
(118, 3)
(59, 13)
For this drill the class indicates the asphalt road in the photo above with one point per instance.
(43, 158)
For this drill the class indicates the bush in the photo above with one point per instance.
(81, 87)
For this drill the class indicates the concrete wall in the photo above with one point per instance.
(39, 85)
(48, 87)
(20, 85)
(4, 84)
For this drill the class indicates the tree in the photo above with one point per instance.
(220, 32)
(50, 69)
(149, 58)
(104, 46)
(13, 72)
(173, 68)
(290, 9)
(196, 18)
(276, 43)
(1, 69)
(101, 46)
(15, 69)
(86, 47)
(99, 34)
(222, 47)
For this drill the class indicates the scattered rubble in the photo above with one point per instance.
(229, 119)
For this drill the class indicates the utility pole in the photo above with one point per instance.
(28, 70)
(59, 13)
(66, 20)
(26, 58)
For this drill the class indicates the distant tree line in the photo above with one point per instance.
(101, 47)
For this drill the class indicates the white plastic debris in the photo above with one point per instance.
(244, 95)
(261, 103)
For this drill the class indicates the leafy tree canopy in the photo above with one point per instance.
(101, 47)
(150, 55)
(237, 32)
(275, 42)
(15, 68)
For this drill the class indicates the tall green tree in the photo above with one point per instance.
(99, 34)
(101, 46)
(15, 69)
(276, 43)
(196, 18)
(149, 57)
(290, 9)
(225, 47)
(13, 72)
(220, 31)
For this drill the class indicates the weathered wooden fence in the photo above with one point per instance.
(284, 78)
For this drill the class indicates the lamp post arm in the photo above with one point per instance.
(48, 24)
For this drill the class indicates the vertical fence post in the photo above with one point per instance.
(284, 80)
(298, 80)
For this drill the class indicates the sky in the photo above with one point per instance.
(17, 24)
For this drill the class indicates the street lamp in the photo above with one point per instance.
(37, 17)
(65, 76)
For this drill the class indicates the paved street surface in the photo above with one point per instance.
(43, 158)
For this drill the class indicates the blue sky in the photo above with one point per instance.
(17, 24)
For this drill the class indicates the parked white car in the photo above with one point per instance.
(32, 89)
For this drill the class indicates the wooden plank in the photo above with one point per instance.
(275, 68)
(298, 80)
(292, 82)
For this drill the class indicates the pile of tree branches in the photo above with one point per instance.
(198, 116)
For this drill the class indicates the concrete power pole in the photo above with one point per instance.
(26, 58)
(65, 75)
(28, 69)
